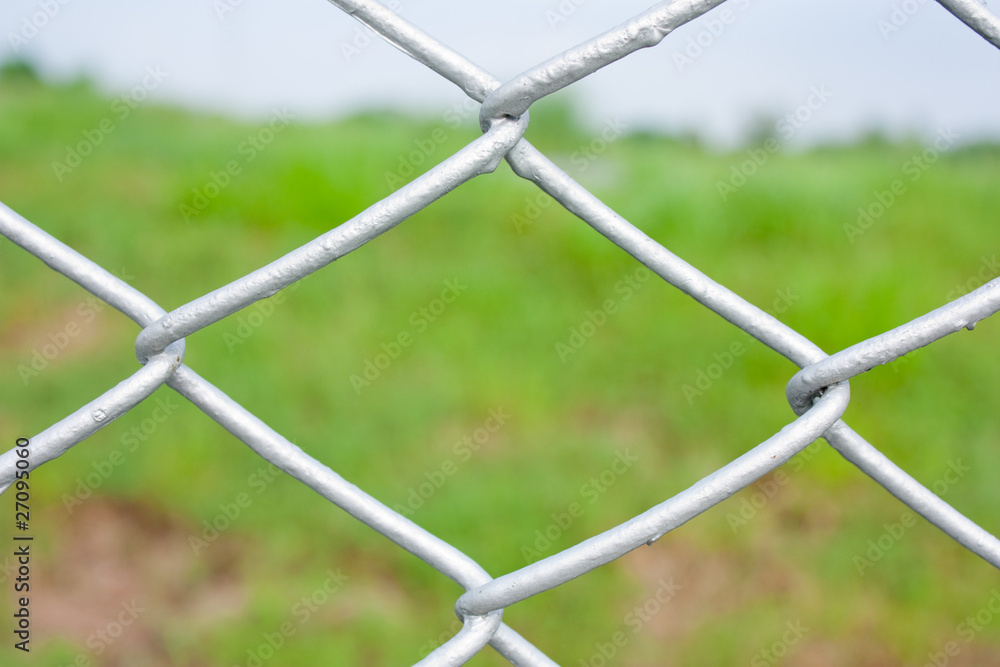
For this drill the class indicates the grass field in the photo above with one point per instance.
(504, 406)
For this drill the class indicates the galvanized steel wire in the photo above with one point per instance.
(818, 393)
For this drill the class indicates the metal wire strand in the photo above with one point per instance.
(975, 15)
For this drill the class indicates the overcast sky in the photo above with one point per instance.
(902, 73)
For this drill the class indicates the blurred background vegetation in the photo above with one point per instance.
(530, 272)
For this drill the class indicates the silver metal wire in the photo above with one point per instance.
(818, 393)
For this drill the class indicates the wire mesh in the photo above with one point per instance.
(818, 393)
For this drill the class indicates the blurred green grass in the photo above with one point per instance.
(531, 277)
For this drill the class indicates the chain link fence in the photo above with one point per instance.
(818, 393)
